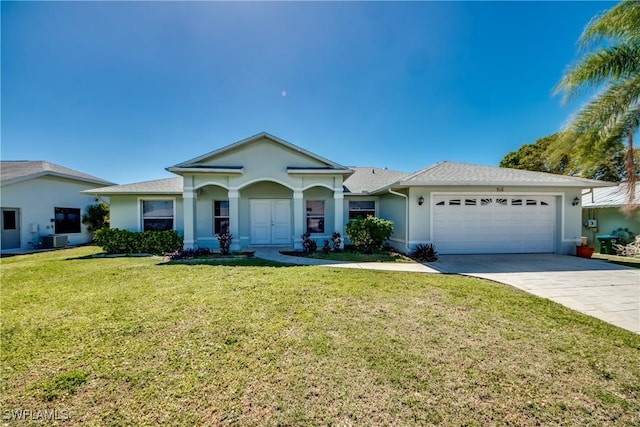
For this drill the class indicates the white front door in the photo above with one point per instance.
(270, 221)
(469, 223)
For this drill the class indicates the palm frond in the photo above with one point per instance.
(619, 23)
(613, 63)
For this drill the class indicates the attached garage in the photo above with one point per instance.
(471, 223)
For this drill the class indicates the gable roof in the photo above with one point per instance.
(609, 197)
(13, 171)
(365, 179)
(463, 174)
(156, 186)
(194, 163)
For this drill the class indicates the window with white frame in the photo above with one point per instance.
(315, 216)
(157, 215)
(361, 208)
(220, 216)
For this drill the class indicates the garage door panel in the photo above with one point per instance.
(490, 224)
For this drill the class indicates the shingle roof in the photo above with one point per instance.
(463, 174)
(365, 179)
(12, 171)
(157, 186)
(609, 197)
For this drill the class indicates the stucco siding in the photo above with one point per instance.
(609, 220)
(125, 211)
(393, 207)
(568, 216)
(37, 199)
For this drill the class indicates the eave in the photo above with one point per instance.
(222, 170)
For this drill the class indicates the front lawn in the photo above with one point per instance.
(136, 341)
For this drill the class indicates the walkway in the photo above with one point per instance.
(273, 254)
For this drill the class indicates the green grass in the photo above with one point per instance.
(135, 341)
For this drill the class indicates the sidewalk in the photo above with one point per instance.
(273, 254)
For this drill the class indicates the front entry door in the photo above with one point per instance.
(10, 228)
(270, 221)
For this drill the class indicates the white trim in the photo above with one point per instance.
(217, 184)
(318, 185)
(291, 171)
(219, 171)
(139, 204)
(253, 181)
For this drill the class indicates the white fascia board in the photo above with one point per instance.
(296, 171)
(208, 171)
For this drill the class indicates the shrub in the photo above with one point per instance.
(96, 217)
(336, 239)
(624, 236)
(309, 245)
(426, 252)
(326, 248)
(368, 234)
(189, 253)
(225, 242)
(117, 241)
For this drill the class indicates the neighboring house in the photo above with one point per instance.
(604, 206)
(267, 191)
(40, 198)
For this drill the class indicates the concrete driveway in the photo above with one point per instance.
(600, 289)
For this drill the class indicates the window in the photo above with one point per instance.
(362, 209)
(9, 220)
(67, 220)
(220, 216)
(315, 216)
(157, 215)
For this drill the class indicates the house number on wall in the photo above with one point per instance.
(499, 189)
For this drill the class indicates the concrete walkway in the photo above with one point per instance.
(273, 254)
(600, 289)
(607, 291)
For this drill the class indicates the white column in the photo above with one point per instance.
(299, 216)
(338, 202)
(234, 219)
(189, 217)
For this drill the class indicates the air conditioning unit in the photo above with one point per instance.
(54, 241)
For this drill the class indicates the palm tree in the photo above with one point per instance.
(611, 64)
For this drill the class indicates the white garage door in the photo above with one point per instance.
(467, 224)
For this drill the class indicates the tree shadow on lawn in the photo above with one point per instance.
(240, 262)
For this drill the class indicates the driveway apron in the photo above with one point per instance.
(607, 291)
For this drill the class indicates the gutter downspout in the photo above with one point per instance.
(406, 231)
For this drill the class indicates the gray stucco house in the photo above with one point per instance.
(268, 191)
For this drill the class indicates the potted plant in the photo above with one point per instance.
(584, 251)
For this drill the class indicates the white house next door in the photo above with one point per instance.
(270, 221)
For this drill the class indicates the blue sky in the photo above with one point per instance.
(122, 90)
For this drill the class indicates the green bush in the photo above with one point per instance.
(368, 234)
(117, 241)
(96, 217)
